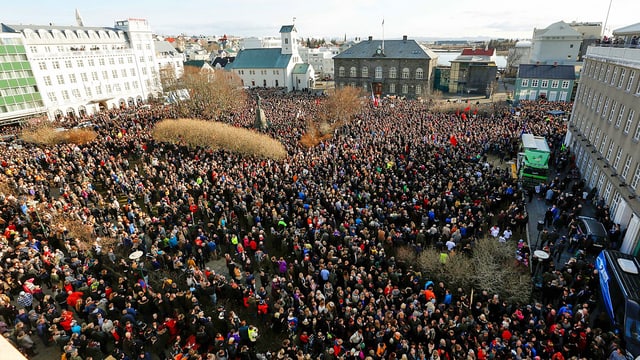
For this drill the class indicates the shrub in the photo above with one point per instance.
(216, 135)
(46, 135)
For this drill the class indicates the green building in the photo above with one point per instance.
(550, 82)
(19, 95)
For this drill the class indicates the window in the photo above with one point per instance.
(72, 78)
(47, 80)
(607, 75)
(610, 150)
(616, 162)
(627, 126)
(98, 90)
(623, 72)
(392, 88)
(598, 100)
(105, 75)
(636, 134)
(128, 87)
(613, 111)
(626, 167)
(405, 74)
(620, 115)
(601, 75)
(68, 64)
(114, 74)
(534, 83)
(42, 65)
(65, 94)
(405, 88)
(393, 73)
(101, 62)
(614, 76)
(604, 142)
(606, 107)
(378, 72)
(632, 76)
(52, 96)
(352, 71)
(121, 60)
(555, 83)
(123, 72)
(565, 84)
(80, 63)
(419, 74)
(94, 75)
(56, 64)
(132, 71)
(525, 82)
(364, 72)
(84, 77)
(418, 90)
(108, 88)
(112, 61)
(544, 83)
(636, 177)
(60, 79)
(76, 93)
(91, 62)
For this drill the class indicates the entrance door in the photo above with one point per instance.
(377, 88)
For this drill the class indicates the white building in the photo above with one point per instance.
(80, 69)
(260, 43)
(519, 54)
(274, 67)
(558, 43)
(321, 59)
(169, 58)
(195, 51)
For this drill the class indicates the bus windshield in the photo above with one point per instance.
(632, 322)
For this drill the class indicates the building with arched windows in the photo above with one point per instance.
(80, 70)
(391, 67)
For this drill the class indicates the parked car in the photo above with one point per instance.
(597, 236)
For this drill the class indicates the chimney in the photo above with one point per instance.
(555, 63)
(404, 38)
(537, 63)
(370, 37)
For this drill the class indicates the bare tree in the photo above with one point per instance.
(211, 93)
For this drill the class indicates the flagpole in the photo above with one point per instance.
(383, 35)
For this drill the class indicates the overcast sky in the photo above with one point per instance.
(331, 18)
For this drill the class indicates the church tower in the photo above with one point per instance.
(289, 36)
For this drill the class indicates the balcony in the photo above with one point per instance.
(621, 55)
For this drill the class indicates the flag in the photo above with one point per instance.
(382, 21)
(475, 112)
(457, 112)
(464, 116)
(453, 140)
(467, 109)
(375, 101)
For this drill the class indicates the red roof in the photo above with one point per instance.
(170, 39)
(478, 52)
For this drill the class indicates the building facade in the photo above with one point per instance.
(473, 72)
(391, 67)
(604, 134)
(273, 67)
(550, 82)
(20, 96)
(557, 43)
(80, 70)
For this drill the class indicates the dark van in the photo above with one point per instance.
(597, 237)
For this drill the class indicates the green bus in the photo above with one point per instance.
(533, 161)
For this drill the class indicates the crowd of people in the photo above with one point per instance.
(308, 241)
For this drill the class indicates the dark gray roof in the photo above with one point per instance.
(265, 58)
(288, 28)
(393, 49)
(533, 71)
